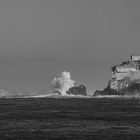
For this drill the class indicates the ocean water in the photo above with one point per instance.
(70, 118)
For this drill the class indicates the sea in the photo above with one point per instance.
(69, 118)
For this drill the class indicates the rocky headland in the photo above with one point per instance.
(125, 79)
(77, 90)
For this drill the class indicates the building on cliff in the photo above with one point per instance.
(132, 65)
(125, 78)
(135, 58)
(127, 72)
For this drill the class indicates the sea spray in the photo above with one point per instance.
(62, 83)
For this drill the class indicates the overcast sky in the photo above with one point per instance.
(40, 38)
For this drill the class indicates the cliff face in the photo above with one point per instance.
(125, 79)
(79, 90)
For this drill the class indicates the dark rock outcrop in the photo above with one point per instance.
(132, 89)
(125, 79)
(79, 90)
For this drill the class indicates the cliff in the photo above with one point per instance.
(125, 79)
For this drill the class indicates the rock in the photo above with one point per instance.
(125, 79)
(79, 90)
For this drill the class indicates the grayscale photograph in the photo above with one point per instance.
(69, 69)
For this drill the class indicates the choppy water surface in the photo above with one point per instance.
(74, 119)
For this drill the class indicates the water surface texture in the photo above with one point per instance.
(73, 119)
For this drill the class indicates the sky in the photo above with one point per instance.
(41, 38)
